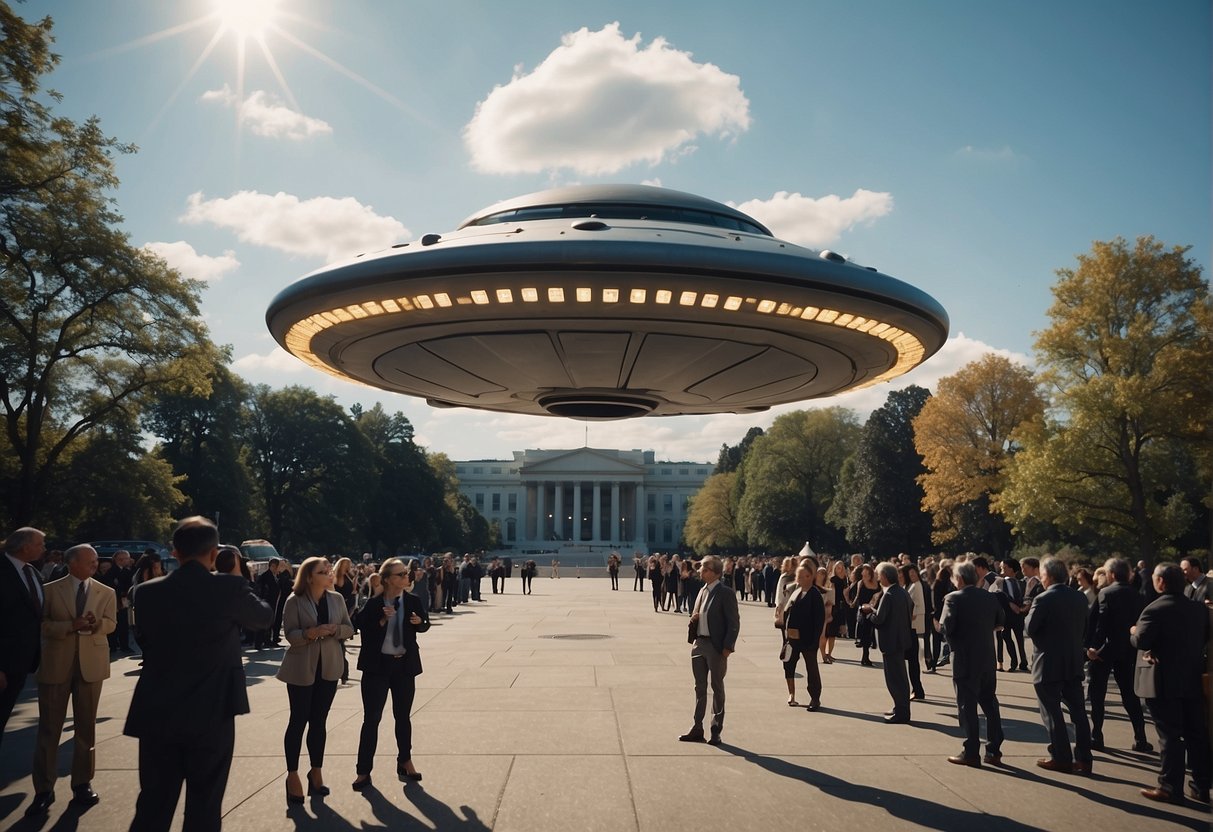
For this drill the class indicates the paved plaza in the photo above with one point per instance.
(561, 710)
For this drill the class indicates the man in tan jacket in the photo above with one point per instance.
(79, 613)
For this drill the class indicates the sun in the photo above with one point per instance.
(246, 18)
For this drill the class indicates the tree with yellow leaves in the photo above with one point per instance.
(1127, 358)
(967, 433)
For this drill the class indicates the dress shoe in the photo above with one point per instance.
(296, 799)
(361, 784)
(992, 759)
(896, 720)
(813, 706)
(866, 663)
(962, 760)
(1198, 794)
(40, 806)
(315, 789)
(1049, 764)
(1097, 742)
(403, 774)
(1080, 767)
(1162, 795)
(692, 736)
(1141, 744)
(917, 697)
(714, 739)
(84, 795)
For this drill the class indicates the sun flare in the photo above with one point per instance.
(247, 18)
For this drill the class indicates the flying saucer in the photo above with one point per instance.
(605, 302)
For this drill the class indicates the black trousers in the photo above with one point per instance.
(1011, 634)
(202, 763)
(309, 710)
(1182, 731)
(615, 580)
(802, 647)
(496, 581)
(8, 699)
(638, 583)
(897, 680)
(913, 671)
(1097, 694)
(375, 689)
(975, 692)
(120, 638)
(1051, 695)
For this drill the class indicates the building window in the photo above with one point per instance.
(511, 530)
(460, 469)
(682, 472)
(667, 502)
(652, 536)
(479, 502)
(477, 470)
(667, 532)
(665, 472)
(703, 472)
(651, 500)
(511, 502)
(496, 502)
(494, 470)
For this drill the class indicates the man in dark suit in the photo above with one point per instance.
(715, 623)
(21, 601)
(1196, 584)
(770, 577)
(895, 636)
(270, 590)
(1171, 634)
(390, 663)
(969, 620)
(1111, 654)
(192, 686)
(1056, 624)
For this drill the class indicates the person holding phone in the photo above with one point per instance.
(390, 663)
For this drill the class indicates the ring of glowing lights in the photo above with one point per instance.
(601, 302)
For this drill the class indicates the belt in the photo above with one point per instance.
(394, 656)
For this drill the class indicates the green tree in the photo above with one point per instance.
(89, 324)
(879, 498)
(711, 524)
(461, 526)
(200, 437)
(966, 434)
(309, 461)
(789, 477)
(731, 456)
(1127, 357)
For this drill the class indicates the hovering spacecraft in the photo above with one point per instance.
(607, 302)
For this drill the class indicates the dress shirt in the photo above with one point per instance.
(703, 611)
(397, 622)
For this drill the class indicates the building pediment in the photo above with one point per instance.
(581, 462)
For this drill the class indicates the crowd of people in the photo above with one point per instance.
(1147, 629)
(67, 614)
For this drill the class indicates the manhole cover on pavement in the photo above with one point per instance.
(579, 636)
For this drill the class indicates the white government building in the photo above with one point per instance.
(586, 500)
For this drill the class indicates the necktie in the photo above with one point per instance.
(397, 625)
(81, 598)
(33, 590)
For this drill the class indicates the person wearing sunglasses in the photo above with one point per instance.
(390, 663)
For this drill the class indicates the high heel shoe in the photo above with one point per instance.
(362, 783)
(316, 791)
(414, 775)
(293, 798)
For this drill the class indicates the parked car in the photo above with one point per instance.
(258, 553)
(107, 548)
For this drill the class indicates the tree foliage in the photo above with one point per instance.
(879, 497)
(712, 519)
(89, 324)
(966, 434)
(789, 477)
(1127, 357)
(731, 456)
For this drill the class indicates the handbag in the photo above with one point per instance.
(785, 652)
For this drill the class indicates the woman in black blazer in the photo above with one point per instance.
(390, 663)
(804, 620)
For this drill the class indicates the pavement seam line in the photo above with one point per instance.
(627, 769)
(501, 794)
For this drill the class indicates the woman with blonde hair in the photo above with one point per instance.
(784, 586)
(316, 621)
(830, 631)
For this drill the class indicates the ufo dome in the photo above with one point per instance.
(605, 302)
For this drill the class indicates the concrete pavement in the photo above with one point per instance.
(561, 711)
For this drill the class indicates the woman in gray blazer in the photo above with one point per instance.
(315, 621)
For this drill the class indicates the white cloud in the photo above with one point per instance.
(326, 227)
(182, 257)
(266, 116)
(817, 222)
(600, 102)
(270, 365)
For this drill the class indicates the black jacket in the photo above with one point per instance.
(1119, 607)
(373, 628)
(806, 612)
(20, 626)
(193, 676)
(968, 620)
(1174, 630)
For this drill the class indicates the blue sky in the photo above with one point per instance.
(967, 148)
